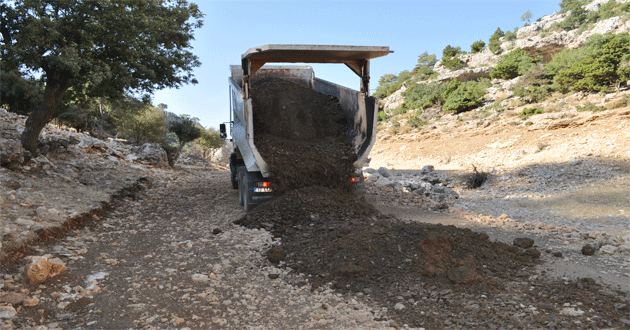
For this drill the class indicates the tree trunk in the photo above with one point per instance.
(38, 118)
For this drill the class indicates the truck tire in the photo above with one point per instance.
(234, 170)
(239, 183)
(247, 192)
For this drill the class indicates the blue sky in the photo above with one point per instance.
(407, 27)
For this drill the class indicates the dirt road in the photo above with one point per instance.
(170, 256)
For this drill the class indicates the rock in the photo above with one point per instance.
(152, 154)
(588, 250)
(395, 99)
(533, 253)
(427, 169)
(462, 275)
(11, 151)
(571, 311)
(557, 254)
(200, 278)
(7, 312)
(216, 231)
(222, 155)
(12, 298)
(384, 172)
(466, 74)
(399, 306)
(607, 249)
(352, 270)
(273, 276)
(523, 242)
(275, 255)
(41, 268)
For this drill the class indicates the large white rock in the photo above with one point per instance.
(152, 154)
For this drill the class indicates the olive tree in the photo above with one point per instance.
(98, 48)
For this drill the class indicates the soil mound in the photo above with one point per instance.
(302, 134)
(336, 237)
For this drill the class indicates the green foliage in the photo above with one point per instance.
(98, 48)
(527, 16)
(578, 15)
(450, 51)
(530, 112)
(466, 97)
(589, 107)
(600, 68)
(209, 140)
(140, 123)
(452, 63)
(512, 65)
(424, 68)
(495, 44)
(416, 122)
(186, 129)
(606, 11)
(19, 94)
(390, 83)
(477, 46)
(422, 96)
(510, 35)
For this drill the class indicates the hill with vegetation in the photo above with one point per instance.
(583, 49)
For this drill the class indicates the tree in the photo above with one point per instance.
(210, 139)
(512, 65)
(187, 129)
(527, 16)
(425, 64)
(145, 123)
(98, 48)
(477, 46)
(495, 43)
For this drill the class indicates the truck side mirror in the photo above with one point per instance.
(222, 131)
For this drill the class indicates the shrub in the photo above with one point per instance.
(477, 46)
(530, 112)
(509, 35)
(578, 15)
(589, 107)
(422, 96)
(389, 83)
(467, 96)
(452, 63)
(416, 122)
(451, 51)
(495, 44)
(600, 68)
(534, 85)
(513, 65)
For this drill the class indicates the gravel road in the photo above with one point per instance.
(170, 257)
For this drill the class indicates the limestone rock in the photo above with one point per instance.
(523, 242)
(7, 312)
(152, 154)
(12, 298)
(11, 150)
(588, 250)
(41, 268)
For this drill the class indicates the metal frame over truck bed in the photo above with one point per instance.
(249, 169)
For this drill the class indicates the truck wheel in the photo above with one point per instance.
(233, 176)
(233, 171)
(240, 185)
(247, 194)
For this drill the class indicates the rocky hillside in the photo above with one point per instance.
(74, 176)
(541, 40)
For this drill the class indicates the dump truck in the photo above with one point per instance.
(249, 170)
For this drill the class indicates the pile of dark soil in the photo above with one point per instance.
(302, 134)
(425, 274)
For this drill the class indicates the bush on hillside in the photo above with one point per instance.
(450, 57)
(390, 83)
(514, 64)
(600, 68)
(422, 96)
(477, 46)
(425, 65)
(495, 44)
(578, 15)
(466, 97)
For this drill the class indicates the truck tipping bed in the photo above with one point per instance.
(360, 109)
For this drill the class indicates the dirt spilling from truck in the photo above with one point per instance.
(424, 274)
(302, 134)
